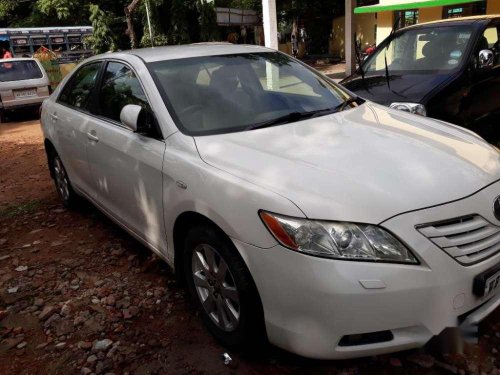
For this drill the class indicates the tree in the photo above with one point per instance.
(62, 9)
(129, 10)
(172, 21)
(102, 38)
(179, 31)
(8, 8)
(207, 21)
(14, 13)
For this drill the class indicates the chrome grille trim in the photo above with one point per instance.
(468, 239)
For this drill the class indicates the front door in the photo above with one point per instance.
(126, 166)
(482, 112)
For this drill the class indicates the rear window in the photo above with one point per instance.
(19, 70)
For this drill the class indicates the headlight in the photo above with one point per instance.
(415, 108)
(337, 240)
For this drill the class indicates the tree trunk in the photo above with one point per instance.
(129, 10)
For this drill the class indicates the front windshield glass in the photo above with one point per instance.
(422, 50)
(18, 70)
(228, 93)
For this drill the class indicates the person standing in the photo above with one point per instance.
(5, 53)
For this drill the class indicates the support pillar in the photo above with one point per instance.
(270, 23)
(350, 52)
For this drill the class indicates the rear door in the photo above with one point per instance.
(71, 118)
(126, 167)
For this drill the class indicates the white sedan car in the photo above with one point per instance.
(292, 209)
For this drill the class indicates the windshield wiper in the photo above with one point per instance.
(291, 117)
(345, 103)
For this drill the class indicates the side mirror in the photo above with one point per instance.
(485, 59)
(129, 116)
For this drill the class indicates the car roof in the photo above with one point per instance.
(457, 21)
(152, 54)
(18, 59)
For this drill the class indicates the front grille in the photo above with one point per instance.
(468, 239)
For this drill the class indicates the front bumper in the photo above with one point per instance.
(311, 303)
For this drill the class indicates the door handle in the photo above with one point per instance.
(92, 136)
(54, 116)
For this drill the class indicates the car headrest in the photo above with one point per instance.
(430, 49)
(225, 78)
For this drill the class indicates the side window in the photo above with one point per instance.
(77, 91)
(119, 87)
(491, 40)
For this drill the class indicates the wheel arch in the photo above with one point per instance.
(185, 221)
(49, 150)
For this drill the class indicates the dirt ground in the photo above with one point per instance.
(80, 296)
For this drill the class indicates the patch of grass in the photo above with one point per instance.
(20, 209)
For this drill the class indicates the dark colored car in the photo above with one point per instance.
(448, 69)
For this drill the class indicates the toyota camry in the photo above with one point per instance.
(292, 209)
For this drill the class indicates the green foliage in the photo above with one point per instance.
(102, 39)
(207, 20)
(13, 12)
(240, 4)
(157, 26)
(62, 9)
(179, 30)
(158, 40)
(7, 8)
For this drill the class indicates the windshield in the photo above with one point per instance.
(422, 50)
(19, 70)
(228, 93)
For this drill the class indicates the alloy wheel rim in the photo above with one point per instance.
(215, 287)
(62, 182)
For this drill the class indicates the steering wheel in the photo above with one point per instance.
(192, 107)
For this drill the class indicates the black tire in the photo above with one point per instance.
(64, 189)
(249, 330)
(2, 116)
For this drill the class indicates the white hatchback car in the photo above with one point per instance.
(291, 208)
(23, 84)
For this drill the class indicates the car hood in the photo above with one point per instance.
(365, 164)
(403, 88)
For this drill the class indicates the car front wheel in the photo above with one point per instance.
(221, 287)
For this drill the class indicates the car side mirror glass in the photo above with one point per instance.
(129, 116)
(485, 59)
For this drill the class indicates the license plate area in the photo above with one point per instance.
(488, 282)
(25, 93)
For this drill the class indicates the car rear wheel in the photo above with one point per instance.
(221, 287)
(61, 180)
